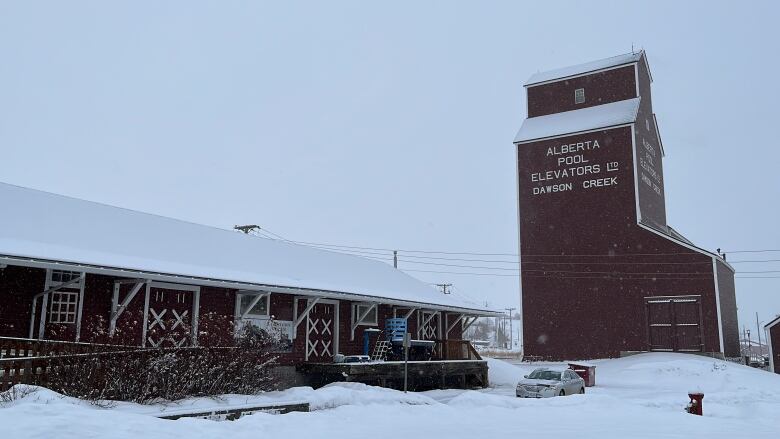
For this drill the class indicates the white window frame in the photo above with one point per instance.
(359, 308)
(266, 298)
(60, 307)
(579, 96)
(64, 276)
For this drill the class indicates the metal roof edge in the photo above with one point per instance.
(574, 133)
(221, 283)
(773, 322)
(641, 54)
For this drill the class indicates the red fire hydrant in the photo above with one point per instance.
(694, 406)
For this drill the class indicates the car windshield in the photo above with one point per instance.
(545, 375)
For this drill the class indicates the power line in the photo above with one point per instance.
(753, 251)
(379, 252)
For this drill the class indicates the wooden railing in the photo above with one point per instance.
(11, 347)
(29, 361)
(455, 350)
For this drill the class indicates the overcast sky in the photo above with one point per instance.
(385, 126)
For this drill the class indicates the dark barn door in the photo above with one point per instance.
(674, 324)
(169, 319)
(320, 329)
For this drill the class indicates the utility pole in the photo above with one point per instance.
(758, 331)
(247, 228)
(511, 345)
(395, 258)
(444, 287)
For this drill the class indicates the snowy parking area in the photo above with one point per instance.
(639, 396)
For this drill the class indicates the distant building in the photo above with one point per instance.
(773, 341)
(601, 270)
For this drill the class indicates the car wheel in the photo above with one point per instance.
(562, 393)
(582, 391)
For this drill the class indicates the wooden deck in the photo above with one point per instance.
(423, 375)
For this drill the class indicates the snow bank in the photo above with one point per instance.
(502, 373)
(638, 397)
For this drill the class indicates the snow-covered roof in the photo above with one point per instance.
(38, 225)
(580, 69)
(574, 121)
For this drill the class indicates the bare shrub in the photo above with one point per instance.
(15, 393)
(167, 374)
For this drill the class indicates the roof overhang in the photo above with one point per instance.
(772, 323)
(588, 68)
(611, 115)
(246, 286)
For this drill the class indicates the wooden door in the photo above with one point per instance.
(674, 324)
(320, 333)
(169, 320)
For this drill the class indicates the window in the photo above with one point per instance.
(579, 96)
(63, 301)
(647, 124)
(61, 276)
(370, 319)
(63, 307)
(259, 309)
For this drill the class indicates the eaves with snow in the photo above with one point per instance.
(41, 227)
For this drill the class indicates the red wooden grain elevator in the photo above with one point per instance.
(602, 273)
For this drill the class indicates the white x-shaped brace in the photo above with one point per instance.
(311, 347)
(313, 325)
(157, 318)
(179, 319)
(326, 348)
(178, 344)
(326, 327)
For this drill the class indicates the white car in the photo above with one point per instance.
(546, 382)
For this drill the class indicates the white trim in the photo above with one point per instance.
(768, 335)
(80, 306)
(336, 322)
(685, 244)
(360, 321)
(195, 316)
(175, 286)
(579, 75)
(44, 316)
(576, 133)
(717, 304)
(519, 246)
(423, 322)
(636, 78)
(658, 135)
(118, 308)
(147, 293)
(259, 295)
(298, 319)
(636, 178)
(643, 54)
(311, 292)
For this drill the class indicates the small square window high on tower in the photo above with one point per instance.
(579, 96)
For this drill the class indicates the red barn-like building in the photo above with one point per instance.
(601, 270)
(773, 341)
(74, 270)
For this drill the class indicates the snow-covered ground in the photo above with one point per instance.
(639, 396)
